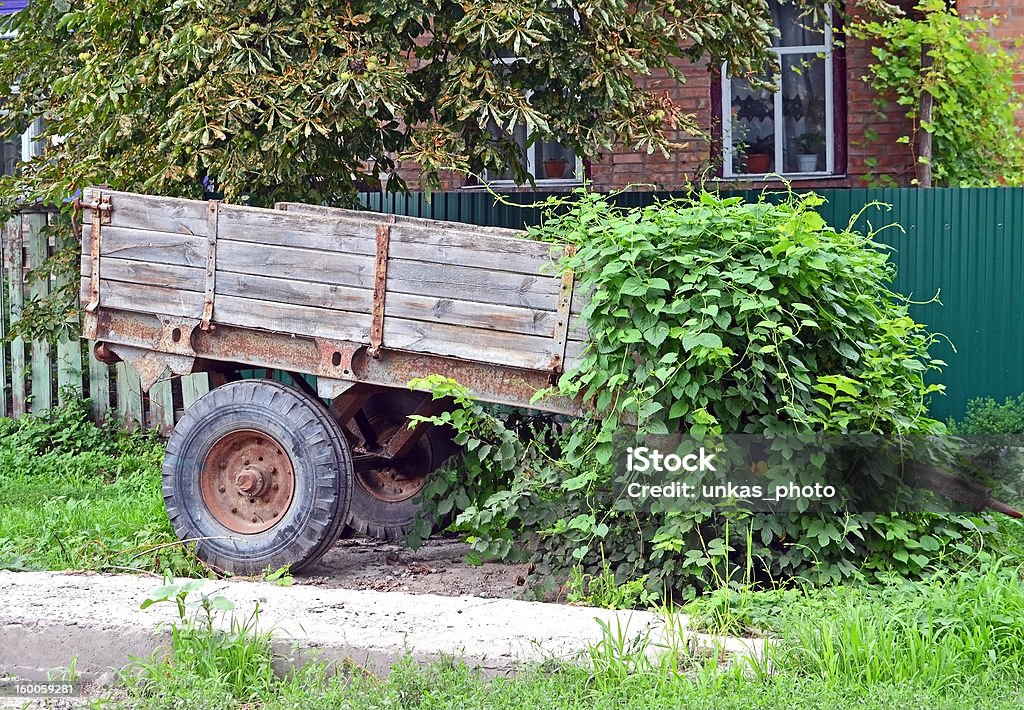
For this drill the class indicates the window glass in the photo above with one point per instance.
(803, 112)
(753, 128)
(796, 29)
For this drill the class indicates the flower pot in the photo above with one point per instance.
(554, 169)
(807, 162)
(759, 163)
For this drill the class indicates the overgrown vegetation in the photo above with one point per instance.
(206, 665)
(711, 317)
(936, 56)
(78, 496)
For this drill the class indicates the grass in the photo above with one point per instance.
(952, 642)
(78, 496)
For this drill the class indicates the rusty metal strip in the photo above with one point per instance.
(380, 287)
(213, 220)
(563, 313)
(101, 208)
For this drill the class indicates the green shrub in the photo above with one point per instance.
(711, 316)
(986, 416)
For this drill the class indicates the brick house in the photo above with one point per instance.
(821, 129)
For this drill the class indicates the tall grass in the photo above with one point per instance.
(942, 632)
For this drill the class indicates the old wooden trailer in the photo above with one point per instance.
(258, 473)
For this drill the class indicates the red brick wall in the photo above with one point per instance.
(871, 150)
(1008, 29)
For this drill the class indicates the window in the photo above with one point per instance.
(790, 130)
(15, 149)
(547, 161)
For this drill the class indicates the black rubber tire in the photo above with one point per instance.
(387, 520)
(320, 457)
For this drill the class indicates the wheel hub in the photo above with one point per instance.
(401, 478)
(247, 481)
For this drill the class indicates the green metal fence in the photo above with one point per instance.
(964, 245)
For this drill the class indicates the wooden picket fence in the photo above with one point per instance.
(36, 376)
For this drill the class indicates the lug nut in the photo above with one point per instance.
(275, 486)
(234, 510)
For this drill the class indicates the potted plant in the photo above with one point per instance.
(554, 168)
(808, 146)
(759, 154)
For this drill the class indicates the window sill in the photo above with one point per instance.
(784, 177)
(505, 185)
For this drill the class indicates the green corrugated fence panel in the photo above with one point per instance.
(962, 246)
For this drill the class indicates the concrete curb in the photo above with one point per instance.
(46, 619)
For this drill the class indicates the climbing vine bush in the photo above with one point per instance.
(711, 316)
(970, 77)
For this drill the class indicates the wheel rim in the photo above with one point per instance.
(247, 481)
(403, 477)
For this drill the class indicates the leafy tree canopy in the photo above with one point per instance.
(294, 99)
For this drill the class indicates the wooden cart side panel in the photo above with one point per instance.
(452, 290)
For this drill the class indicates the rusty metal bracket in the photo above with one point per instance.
(563, 314)
(213, 220)
(336, 358)
(101, 208)
(380, 287)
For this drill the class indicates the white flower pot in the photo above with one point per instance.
(807, 162)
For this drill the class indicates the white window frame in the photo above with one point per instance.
(824, 50)
(531, 166)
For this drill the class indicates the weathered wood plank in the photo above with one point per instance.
(193, 387)
(299, 264)
(297, 320)
(69, 368)
(183, 278)
(379, 218)
(16, 291)
(444, 242)
(147, 246)
(261, 226)
(99, 387)
(129, 395)
(484, 286)
(150, 212)
(470, 343)
(359, 239)
(4, 249)
(69, 354)
(161, 406)
(339, 298)
(33, 224)
(149, 299)
(298, 293)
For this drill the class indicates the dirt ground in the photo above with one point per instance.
(439, 567)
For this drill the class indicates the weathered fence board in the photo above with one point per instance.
(31, 374)
(16, 289)
(3, 322)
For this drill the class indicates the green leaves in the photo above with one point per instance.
(971, 79)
